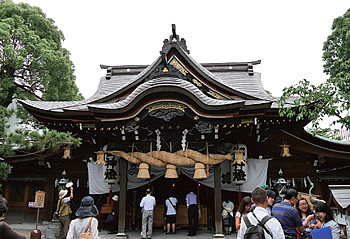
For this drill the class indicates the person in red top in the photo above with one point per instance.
(5, 230)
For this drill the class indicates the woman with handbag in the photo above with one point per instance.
(85, 226)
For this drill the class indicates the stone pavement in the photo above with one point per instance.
(26, 228)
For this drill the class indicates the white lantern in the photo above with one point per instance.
(111, 171)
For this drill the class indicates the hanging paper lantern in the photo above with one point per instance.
(285, 150)
(100, 155)
(199, 172)
(143, 171)
(171, 171)
(67, 153)
(111, 172)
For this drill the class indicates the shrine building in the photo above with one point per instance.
(175, 126)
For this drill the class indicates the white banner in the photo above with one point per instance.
(256, 167)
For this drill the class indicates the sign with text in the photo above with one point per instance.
(39, 199)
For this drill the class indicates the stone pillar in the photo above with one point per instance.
(122, 199)
(217, 202)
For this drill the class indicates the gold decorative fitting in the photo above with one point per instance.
(174, 40)
(143, 171)
(100, 155)
(137, 119)
(238, 156)
(215, 95)
(199, 172)
(197, 83)
(230, 67)
(66, 153)
(166, 105)
(171, 171)
(165, 69)
(128, 70)
(178, 66)
(196, 117)
(285, 150)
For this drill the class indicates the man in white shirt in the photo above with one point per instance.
(259, 197)
(147, 204)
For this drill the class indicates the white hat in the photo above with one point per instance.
(115, 198)
(62, 193)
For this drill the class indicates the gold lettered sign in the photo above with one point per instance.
(39, 199)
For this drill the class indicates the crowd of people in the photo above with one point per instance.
(291, 218)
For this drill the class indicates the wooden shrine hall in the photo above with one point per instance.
(213, 122)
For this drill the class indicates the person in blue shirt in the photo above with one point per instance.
(227, 216)
(288, 215)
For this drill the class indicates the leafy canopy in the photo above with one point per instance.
(331, 98)
(33, 65)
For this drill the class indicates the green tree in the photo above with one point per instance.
(331, 98)
(33, 65)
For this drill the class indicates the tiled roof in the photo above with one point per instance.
(247, 84)
(168, 82)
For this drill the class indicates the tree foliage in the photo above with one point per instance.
(331, 98)
(33, 65)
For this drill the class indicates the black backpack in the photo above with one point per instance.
(256, 231)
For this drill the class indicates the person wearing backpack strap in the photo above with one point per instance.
(171, 205)
(259, 224)
(85, 225)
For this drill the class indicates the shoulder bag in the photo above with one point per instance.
(172, 204)
(87, 234)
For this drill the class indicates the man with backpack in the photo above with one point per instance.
(258, 223)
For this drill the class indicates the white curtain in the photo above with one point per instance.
(257, 169)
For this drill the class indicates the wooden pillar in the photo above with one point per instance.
(122, 198)
(217, 202)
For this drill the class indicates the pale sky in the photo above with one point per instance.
(287, 36)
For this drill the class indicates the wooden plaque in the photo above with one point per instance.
(39, 199)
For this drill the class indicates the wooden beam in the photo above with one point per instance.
(217, 202)
(122, 198)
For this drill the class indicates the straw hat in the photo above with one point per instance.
(87, 208)
(62, 193)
